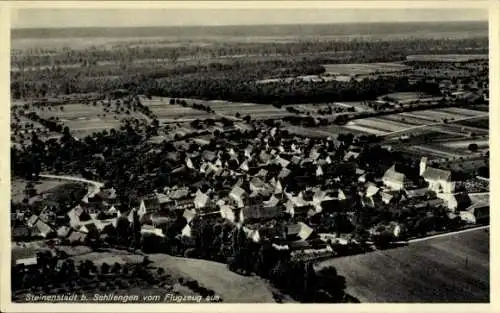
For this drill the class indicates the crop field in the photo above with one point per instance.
(464, 144)
(256, 111)
(378, 125)
(363, 69)
(482, 124)
(447, 57)
(83, 119)
(453, 268)
(168, 113)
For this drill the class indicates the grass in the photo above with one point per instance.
(363, 69)
(447, 57)
(479, 123)
(230, 286)
(18, 186)
(427, 271)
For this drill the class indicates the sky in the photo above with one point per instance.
(62, 17)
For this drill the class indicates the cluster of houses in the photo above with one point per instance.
(246, 183)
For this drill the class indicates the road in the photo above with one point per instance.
(448, 234)
(75, 179)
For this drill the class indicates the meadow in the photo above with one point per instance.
(363, 69)
(453, 268)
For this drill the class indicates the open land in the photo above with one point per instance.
(363, 69)
(446, 269)
(17, 187)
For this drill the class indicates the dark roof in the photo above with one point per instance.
(259, 212)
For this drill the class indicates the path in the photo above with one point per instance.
(449, 234)
(72, 178)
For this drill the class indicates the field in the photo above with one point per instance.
(83, 119)
(447, 57)
(256, 111)
(363, 69)
(172, 113)
(409, 96)
(453, 268)
(18, 186)
(216, 276)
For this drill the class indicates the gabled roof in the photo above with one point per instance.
(284, 173)
(77, 236)
(259, 212)
(371, 191)
(200, 199)
(392, 175)
(178, 193)
(272, 202)
(262, 173)
(436, 174)
(386, 197)
(209, 155)
(63, 231)
(300, 229)
(32, 220)
(112, 210)
(41, 228)
(414, 193)
(281, 161)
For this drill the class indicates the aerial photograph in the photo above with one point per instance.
(249, 155)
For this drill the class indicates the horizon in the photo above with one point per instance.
(142, 18)
(245, 25)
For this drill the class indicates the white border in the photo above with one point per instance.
(7, 306)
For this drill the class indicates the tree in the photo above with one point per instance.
(473, 147)
(104, 268)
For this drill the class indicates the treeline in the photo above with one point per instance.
(354, 46)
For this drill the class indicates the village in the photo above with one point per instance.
(307, 196)
(202, 166)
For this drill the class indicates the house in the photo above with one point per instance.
(299, 231)
(387, 197)
(77, 215)
(77, 237)
(244, 166)
(281, 161)
(440, 181)
(32, 220)
(272, 202)
(42, 229)
(63, 231)
(319, 171)
(200, 200)
(476, 213)
(237, 194)
(186, 231)
(456, 202)
(394, 179)
(113, 211)
(227, 212)
(371, 191)
(189, 215)
(278, 189)
(416, 193)
(89, 229)
(252, 234)
(258, 213)
(149, 229)
(105, 225)
(284, 173)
